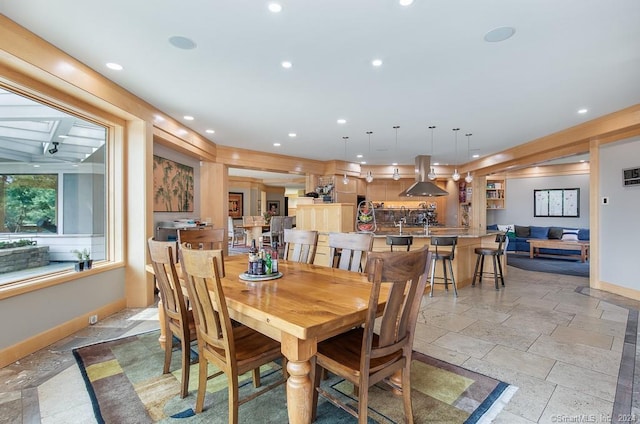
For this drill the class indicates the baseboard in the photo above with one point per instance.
(616, 289)
(44, 339)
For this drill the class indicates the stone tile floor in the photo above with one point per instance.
(570, 350)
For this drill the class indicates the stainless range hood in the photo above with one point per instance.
(422, 186)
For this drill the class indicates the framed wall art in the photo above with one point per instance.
(273, 207)
(235, 205)
(560, 202)
(172, 186)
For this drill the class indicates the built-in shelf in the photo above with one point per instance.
(495, 193)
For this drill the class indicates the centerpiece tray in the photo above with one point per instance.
(248, 277)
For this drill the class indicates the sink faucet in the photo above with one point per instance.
(401, 221)
(425, 222)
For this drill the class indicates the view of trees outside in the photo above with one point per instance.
(28, 203)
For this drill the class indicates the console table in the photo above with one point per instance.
(581, 245)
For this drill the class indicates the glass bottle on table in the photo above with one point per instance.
(253, 258)
(274, 257)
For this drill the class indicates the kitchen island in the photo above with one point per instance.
(465, 257)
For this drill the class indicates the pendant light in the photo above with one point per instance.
(345, 179)
(369, 177)
(432, 172)
(396, 174)
(469, 177)
(456, 174)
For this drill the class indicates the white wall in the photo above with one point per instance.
(519, 202)
(619, 230)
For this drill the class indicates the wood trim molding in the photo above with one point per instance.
(551, 170)
(52, 335)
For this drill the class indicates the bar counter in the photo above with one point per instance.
(465, 257)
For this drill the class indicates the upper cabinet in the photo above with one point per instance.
(495, 193)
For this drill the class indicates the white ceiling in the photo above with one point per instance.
(437, 69)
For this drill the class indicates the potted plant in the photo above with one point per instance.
(79, 265)
(84, 259)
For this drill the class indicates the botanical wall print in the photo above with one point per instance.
(172, 186)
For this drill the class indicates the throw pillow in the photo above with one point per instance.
(569, 235)
(555, 233)
(522, 231)
(539, 232)
(505, 228)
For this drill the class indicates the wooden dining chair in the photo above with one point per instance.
(234, 350)
(300, 245)
(178, 319)
(276, 228)
(209, 239)
(235, 233)
(365, 358)
(347, 250)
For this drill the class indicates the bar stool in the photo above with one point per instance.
(495, 254)
(400, 241)
(446, 257)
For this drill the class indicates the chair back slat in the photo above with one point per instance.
(203, 272)
(347, 250)
(300, 245)
(407, 273)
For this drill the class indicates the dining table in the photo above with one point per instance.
(305, 305)
(254, 231)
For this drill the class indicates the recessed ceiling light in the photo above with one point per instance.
(286, 64)
(395, 164)
(475, 156)
(183, 43)
(376, 62)
(405, 2)
(341, 121)
(363, 162)
(36, 166)
(210, 131)
(114, 66)
(188, 118)
(276, 144)
(358, 156)
(436, 163)
(63, 136)
(275, 7)
(499, 34)
(581, 111)
(292, 135)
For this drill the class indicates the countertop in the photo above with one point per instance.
(434, 231)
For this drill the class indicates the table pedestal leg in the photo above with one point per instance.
(299, 385)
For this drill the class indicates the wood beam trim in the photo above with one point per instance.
(244, 158)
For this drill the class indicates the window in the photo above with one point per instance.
(52, 187)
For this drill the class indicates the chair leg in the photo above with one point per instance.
(444, 272)
(433, 271)
(363, 402)
(495, 272)
(406, 393)
(168, 347)
(317, 376)
(202, 382)
(481, 268)
(453, 278)
(475, 272)
(233, 398)
(186, 362)
(500, 269)
(256, 377)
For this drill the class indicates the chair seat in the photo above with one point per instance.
(249, 345)
(343, 352)
(487, 251)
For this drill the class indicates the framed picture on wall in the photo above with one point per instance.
(235, 205)
(273, 207)
(172, 186)
(560, 203)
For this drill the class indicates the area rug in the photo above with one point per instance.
(125, 383)
(559, 265)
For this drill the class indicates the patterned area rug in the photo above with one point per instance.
(125, 382)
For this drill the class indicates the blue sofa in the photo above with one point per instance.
(520, 234)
